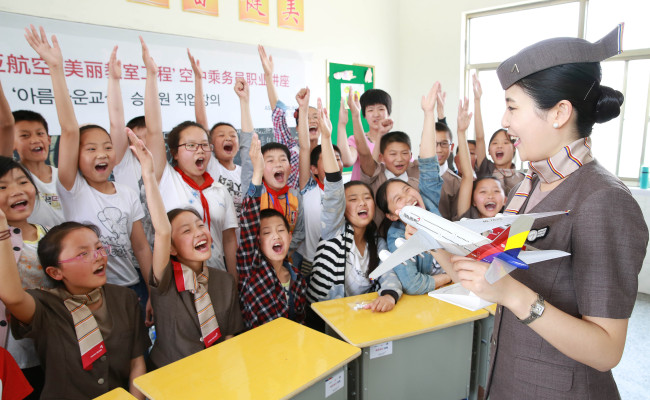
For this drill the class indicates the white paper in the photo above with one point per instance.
(457, 295)
(334, 383)
(381, 349)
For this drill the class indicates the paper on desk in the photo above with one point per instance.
(459, 296)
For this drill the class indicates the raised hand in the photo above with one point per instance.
(255, 153)
(324, 123)
(385, 126)
(343, 113)
(428, 102)
(114, 65)
(242, 89)
(51, 54)
(353, 102)
(476, 87)
(141, 152)
(464, 117)
(302, 97)
(440, 102)
(196, 66)
(267, 62)
(149, 63)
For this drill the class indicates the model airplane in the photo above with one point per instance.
(464, 238)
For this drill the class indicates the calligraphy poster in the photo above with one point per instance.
(291, 14)
(208, 7)
(254, 11)
(158, 3)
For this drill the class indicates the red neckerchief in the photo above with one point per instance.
(275, 196)
(207, 182)
(320, 184)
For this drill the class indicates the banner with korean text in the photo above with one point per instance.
(86, 49)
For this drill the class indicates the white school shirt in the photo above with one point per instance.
(356, 267)
(312, 197)
(178, 194)
(230, 179)
(114, 215)
(47, 210)
(129, 172)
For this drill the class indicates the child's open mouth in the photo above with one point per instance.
(202, 245)
(101, 167)
(416, 203)
(279, 176)
(199, 162)
(227, 147)
(277, 248)
(100, 270)
(490, 206)
(37, 149)
(499, 154)
(313, 130)
(363, 213)
(19, 204)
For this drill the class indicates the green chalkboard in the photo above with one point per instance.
(340, 77)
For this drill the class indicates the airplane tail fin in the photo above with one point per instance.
(515, 236)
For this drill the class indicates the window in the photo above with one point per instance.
(621, 145)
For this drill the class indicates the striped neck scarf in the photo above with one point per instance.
(186, 279)
(561, 165)
(91, 342)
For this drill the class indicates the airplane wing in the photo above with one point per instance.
(485, 224)
(534, 256)
(418, 243)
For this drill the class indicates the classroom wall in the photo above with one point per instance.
(335, 30)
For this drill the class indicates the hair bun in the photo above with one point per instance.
(609, 104)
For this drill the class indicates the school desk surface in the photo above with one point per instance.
(274, 361)
(420, 349)
(116, 394)
(492, 309)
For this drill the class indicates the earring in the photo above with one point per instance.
(556, 125)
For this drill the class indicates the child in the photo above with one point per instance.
(281, 129)
(350, 247)
(269, 286)
(26, 133)
(223, 137)
(451, 181)
(127, 171)
(375, 107)
(483, 198)
(277, 193)
(196, 306)
(89, 335)
(86, 159)
(421, 276)
(502, 149)
(471, 144)
(18, 196)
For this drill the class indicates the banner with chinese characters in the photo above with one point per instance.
(291, 14)
(158, 3)
(208, 7)
(86, 49)
(254, 11)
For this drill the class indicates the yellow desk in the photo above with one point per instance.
(116, 394)
(482, 338)
(420, 349)
(278, 360)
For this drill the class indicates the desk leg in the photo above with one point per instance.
(431, 365)
(481, 356)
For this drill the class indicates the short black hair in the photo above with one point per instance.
(499, 131)
(375, 96)
(485, 177)
(7, 164)
(317, 151)
(394, 137)
(49, 247)
(137, 122)
(218, 124)
(272, 212)
(469, 141)
(85, 128)
(174, 136)
(31, 116)
(441, 127)
(276, 146)
(381, 199)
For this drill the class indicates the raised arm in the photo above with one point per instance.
(69, 141)
(304, 172)
(152, 113)
(200, 112)
(242, 91)
(332, 214)
(428, 141)
(267, 65)
(368, 163)
(7, 126)
(116, 107)
(478, 122)
(467, 180)
(440, 104)
(348, 154)
(19, 303)
(385, 126)
(161, 225)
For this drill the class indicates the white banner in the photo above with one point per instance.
(86, 49)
